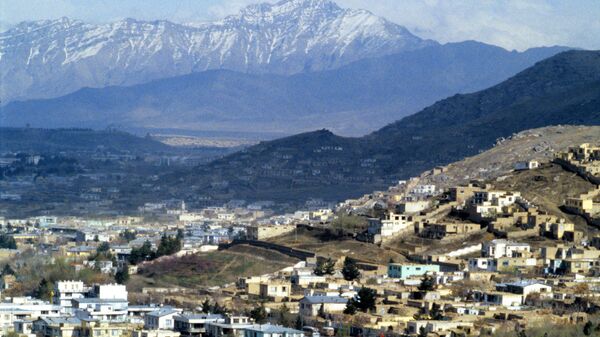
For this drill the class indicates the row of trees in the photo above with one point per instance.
(349, 270)
(168, 245)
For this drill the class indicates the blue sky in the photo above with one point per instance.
(513, 24)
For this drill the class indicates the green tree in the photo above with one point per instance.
(7, 270)
(122, 275)
(142, 253)
(350, 271)
(44, 290)
(7, 242)
(427, 284)
(588, 328)
(350, 308)
(284, 315)
(259, 314)
(364, 301)
(329, 267)
(436, 312)
(128, 235)
(319, 268)
(422, 332)
(206, 307)
(104, 247)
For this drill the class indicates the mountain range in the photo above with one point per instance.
(353, 99)
(563, 89)
(50, 58)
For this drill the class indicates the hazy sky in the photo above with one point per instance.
(513, 24)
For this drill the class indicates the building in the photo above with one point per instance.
(440, 231)
(66, 291)
(525, 288)
(526, 165)
(195, 325)
(503, 248)
(393, 224)
(268, 231)
(161, 319)
(313, 305)
(154, 333)
(275, 289)
(232, 326)
(405, 271)
(268, 330)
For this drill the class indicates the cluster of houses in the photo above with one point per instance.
(103, 310)
(478, 259)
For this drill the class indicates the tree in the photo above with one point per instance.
(350, 271)
(206, 307)
(168, 245)
(219, 309)
(7, 242)
(44, 290)
(422, 332)
(319, 268)
(142, 253)
(329, 267)
(436, 312)
(104, 247)
(363, 301)
(350, 308)
(427, 284)
(284, 313)
(588, 328)
(128, 235)
(122, 275)
(259, 314)
(8, 270)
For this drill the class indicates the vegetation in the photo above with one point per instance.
(122, 275)
(364, 301)
(7, 242)
(259, 314)
(324, 268)
(350, 270)
(427, 283)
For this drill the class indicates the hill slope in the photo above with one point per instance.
(60, 140)
(564, 89)
(352, 100)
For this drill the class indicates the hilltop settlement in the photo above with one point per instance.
(481, 258)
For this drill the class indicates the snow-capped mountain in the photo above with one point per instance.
(54, 57)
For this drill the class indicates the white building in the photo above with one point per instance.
(66, 291)
(112, 291)
(268, 330)
(504, 248)
(526, 165)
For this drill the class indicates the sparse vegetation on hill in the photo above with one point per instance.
(564, 89)
(211, 269)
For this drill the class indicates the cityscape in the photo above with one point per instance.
(299, 168)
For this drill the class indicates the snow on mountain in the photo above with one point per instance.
(54, 57)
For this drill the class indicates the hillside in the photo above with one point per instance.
(536, 144)
(564, 89)
(56, 140)
(352, 100)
